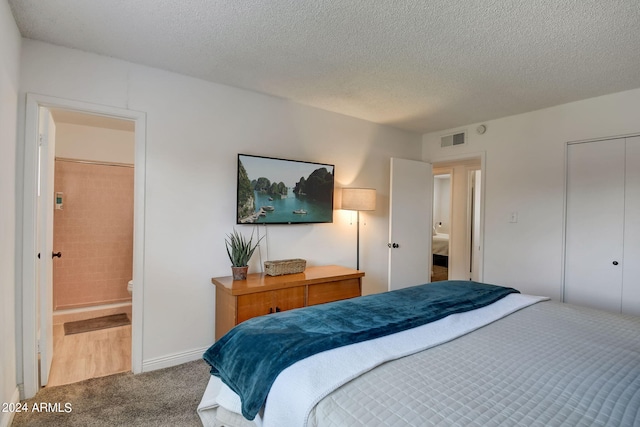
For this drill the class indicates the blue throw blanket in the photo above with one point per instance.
(250, 356)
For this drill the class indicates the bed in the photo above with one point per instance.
(440, 249)
(518, 360)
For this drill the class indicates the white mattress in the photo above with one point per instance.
(440, 244)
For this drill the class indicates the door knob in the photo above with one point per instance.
(615, 262)
(393, 245)
(56, 255)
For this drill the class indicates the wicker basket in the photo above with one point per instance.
(284, 266)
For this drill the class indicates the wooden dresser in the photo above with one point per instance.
(259, 294)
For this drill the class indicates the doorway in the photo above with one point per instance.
(93, 244)
(37, 337)
(441, 223)
(457, 210)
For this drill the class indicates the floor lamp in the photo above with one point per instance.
(358, 199)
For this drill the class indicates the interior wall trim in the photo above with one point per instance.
(6, 418)
(603, 138)
(172, 359)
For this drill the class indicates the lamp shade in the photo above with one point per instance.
(359, 199)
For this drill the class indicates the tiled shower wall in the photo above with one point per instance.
(94, 232)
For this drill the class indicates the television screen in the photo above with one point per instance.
(279, 191)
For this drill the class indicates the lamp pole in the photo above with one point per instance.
(358, 240)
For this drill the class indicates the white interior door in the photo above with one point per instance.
(631, 264)
(595, 224)
(410, 223)
(44, 274)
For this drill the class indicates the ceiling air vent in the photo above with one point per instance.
(453, 139)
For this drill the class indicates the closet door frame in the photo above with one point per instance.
(631, 266)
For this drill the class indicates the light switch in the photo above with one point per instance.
(513, 217)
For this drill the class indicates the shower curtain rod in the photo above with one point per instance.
(94, 162)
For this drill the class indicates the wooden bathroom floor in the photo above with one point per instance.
(439, 273)
(87, 355)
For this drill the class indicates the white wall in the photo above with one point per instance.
(442, 203)
(525, 173)
(94, 143)
(9, 71)
(194, 131)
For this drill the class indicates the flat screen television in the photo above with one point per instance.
(280, 191)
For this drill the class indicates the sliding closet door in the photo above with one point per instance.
(595, 224)
(631, 270)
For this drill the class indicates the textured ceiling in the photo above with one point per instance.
(420, 65)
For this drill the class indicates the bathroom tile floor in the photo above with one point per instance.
(87, 355)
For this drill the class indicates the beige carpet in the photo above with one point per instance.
(166, 397)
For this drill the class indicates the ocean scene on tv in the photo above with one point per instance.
(278, 191)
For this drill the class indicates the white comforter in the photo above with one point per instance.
(298, 388)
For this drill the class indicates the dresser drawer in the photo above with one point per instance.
(333, 291)
(261, 303)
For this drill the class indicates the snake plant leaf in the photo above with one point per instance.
(240, 249)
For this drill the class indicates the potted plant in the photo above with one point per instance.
(240, 251)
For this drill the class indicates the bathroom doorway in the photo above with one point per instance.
(93, 237)
(35, 276)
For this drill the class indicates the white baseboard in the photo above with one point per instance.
(7, 417)
(172, 359)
